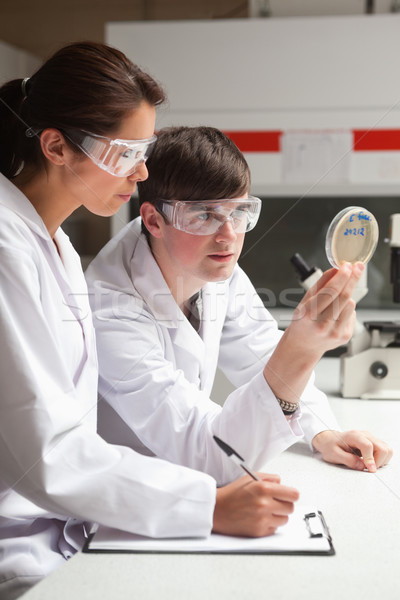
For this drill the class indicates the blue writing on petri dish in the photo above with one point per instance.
(360, 215)
(354, 231)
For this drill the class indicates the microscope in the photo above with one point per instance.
(370, 366)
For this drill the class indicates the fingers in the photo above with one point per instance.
(347, 274)
(382, 454)
(335, 277)
(269, 477)
(253, 508)
(327, 299)
(279, 521)
(336, 285)
(322, 281)
(358, 441)
(277, 503)
(336, 450)
(374, 452)
(279, 492)
(355, 449)
(348, 458)
(327, 312)
(282, 493)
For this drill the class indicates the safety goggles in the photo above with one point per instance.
(205, 217)
(118, 157)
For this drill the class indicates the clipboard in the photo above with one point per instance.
(306, 533)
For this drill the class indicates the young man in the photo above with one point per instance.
(171, 305)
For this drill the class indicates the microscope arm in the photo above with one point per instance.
(394, 241)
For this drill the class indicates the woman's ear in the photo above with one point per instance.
(152, 219)
(54, 146)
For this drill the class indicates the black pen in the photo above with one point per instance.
(231, 453)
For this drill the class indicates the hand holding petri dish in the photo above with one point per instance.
(352, 236)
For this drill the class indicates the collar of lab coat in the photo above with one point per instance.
(152, 287)
(69, 273)
(12, 198)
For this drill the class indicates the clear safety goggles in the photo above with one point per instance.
(118, 157)
(205, 217)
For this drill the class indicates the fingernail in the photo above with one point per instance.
(370, 464)
(359, 268)
(346, 268)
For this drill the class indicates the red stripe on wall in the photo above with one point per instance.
(256, 141)
(363, 140)
(376, 139)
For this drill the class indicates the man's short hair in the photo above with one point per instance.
(194, 163)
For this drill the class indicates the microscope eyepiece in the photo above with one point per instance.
(302, 268)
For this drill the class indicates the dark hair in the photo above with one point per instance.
(194, 163)
(85, 85)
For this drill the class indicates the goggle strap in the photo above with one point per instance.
(168, 211)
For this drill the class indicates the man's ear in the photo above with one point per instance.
(54, 146)
(152, 219)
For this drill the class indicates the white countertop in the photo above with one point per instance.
(284, 315)
(362, 511)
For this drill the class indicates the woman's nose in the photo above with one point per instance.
(141, 173)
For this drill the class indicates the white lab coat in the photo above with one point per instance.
(56, 472)
(157, 372)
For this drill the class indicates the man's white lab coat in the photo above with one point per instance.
(56, 472)
(157, 371)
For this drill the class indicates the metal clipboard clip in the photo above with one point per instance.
(321, 529)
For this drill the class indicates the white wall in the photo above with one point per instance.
(15, 63)
(335, 73)
(304, 8)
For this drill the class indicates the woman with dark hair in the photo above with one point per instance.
(78, 132)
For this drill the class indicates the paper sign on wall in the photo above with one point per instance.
(316, 156)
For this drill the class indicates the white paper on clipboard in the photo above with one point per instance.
(305, 533)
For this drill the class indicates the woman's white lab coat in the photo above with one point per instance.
(56, 472)
(157, 372)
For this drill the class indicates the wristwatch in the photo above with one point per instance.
(288, 408)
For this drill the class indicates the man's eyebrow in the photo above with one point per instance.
(199, 206)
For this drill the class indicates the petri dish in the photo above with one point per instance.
(352, 236)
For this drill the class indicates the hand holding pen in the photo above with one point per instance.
(255, 505)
